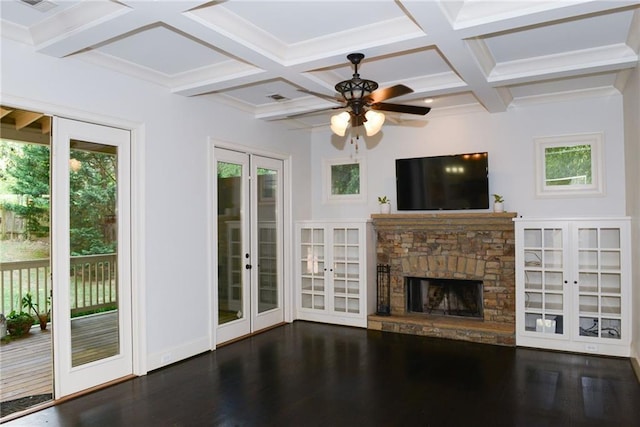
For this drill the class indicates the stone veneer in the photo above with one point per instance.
(475, 246)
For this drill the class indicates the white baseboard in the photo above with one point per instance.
(178, 353)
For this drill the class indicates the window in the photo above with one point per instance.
(344, 180)
(569, 165)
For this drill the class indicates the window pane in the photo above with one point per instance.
(345, 179)
(568, 165)
(93, 222)
(230, 271)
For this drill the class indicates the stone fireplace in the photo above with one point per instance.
(427, 252)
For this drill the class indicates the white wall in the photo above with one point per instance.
(508, 137)
(632, 156)
(176, 153)
(175, 159)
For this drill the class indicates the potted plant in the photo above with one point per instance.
(19, 323)
(43, 317)
(385, 206)
(498, 203)
(3, 326)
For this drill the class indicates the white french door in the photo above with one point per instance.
(249, 291)
(91, 272)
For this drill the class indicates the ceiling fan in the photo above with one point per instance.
(362, 99)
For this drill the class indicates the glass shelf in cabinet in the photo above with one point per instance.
(610, 305)
(553, 309)
(552, 238)
(353, 305)
(533, 306)
(610, 328)
(318, 302)
(611, 281)
(588, 309)
(587, 238)
(610, 259)
(307, 300)
(610, 238)
(530, 321)
(532, 237)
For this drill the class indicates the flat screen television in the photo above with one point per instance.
(452, 182)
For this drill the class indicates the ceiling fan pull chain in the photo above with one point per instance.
(355, 144)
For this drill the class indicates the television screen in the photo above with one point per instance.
(458, 181)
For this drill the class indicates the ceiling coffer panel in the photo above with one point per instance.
(279, 59)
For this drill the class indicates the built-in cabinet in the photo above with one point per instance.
(335, 271)
(573, 287)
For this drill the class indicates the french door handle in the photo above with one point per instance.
(248, 266)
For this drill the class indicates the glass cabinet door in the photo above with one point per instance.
(544, 291)
(312, 268)
(599, 282)
(346, 270)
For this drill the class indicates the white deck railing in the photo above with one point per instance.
(92, 283)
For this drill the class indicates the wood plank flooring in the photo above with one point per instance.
(26, 367)
(308, 374)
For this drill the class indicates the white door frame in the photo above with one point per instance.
(138, 251)
(213, 230)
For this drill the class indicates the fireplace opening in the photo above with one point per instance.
(444, 297)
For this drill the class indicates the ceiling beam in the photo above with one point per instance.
(432, 18)
(25, 118)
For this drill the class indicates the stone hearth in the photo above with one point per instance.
(471, 246)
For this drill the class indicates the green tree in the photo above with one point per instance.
(345, 179)
(26, 174)
(93, 187)
(92, 210)
(566, 165)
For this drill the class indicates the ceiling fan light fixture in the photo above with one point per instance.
(356, 88)
(340, 122)
(374, 122)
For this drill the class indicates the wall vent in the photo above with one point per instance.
(40, 5)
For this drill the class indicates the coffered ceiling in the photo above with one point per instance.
(255, 55)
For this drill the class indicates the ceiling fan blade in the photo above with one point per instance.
(387, 93)
(398, 108)
(322, 95)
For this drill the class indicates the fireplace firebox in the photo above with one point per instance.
(444, 297)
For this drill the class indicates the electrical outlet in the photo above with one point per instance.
(591, 347)
(166, 358)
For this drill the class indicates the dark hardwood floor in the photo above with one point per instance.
(307, 374)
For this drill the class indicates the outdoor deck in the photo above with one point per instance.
(26, 367)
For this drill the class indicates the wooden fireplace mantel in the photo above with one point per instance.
(426, 221)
